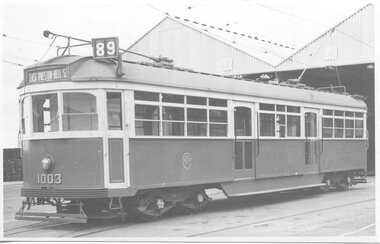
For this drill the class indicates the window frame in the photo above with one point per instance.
(185, 106)
(285, 113)
(60, 133)
(256, 111)
(344, 117)
(99, 113)
(122, 116)
(187, 121)
(59, 118)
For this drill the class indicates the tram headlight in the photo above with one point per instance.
(47, 163)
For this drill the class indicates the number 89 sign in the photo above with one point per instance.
(105, 47)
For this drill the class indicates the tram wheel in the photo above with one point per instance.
(151, 208)
(196, 202)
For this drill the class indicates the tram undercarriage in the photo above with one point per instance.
(146, 205)
(151, 204)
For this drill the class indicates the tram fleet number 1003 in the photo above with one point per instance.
(49, 178)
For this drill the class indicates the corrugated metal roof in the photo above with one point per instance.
(290, 58)
(259, 50)
(256, 48)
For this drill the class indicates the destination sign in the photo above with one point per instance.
(105, 47)
(48, 75)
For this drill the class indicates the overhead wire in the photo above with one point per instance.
(226, 30)
(267, 50)
(12, 56)
(12, 63)
(4, 35)
(316, 22)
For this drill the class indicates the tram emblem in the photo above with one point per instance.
(187, 159)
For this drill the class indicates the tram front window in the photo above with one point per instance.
(45, 113)
(79, 112)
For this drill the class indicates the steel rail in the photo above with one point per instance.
(88, 230)
(278, 218)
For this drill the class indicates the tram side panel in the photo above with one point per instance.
(79, 162)
(277, 158)
(344, 155)
(174, 162)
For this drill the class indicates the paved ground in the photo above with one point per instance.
(297, 214)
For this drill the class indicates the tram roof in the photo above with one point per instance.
(89, 69)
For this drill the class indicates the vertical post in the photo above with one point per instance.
(119, 68)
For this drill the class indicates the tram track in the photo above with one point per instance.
(23, 226)
(86, 230)
(270, 220)
(33, 227)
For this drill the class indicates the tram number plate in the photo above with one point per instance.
(105, 47)
(49, 179)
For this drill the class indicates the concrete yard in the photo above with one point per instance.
(297, 214)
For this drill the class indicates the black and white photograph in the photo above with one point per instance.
(188, 121)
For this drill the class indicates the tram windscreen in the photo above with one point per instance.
(45, 113)
(79, 111)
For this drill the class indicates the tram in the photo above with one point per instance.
(97, 144)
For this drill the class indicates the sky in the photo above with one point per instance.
(293, 22)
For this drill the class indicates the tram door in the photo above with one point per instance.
(115, 141)
(244, 157)
(312, 142)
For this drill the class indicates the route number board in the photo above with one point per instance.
(105, 47)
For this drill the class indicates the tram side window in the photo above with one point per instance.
(146, 96)
(327, 127)
(338, 128)
(218, 122)
(349, 128)
(279, 120)
(196, 122)
(196, 100)
(172, 98)
(147, 120)
(173, 121)
(79, 112)
(280, 125)
(342, 124)
(267, 124)
(359, 128)
(114, 111)
(217, 102)
(293, 125)
(45, 113)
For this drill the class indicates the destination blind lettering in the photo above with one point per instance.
(48, 75)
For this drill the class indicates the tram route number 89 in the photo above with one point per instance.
(105, 47)
(49, 179)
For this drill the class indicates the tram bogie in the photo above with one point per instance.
(100, 145)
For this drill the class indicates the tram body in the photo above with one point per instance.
(97, 144)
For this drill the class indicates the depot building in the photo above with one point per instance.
(341, 56)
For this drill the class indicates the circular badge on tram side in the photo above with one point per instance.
(187, 159)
